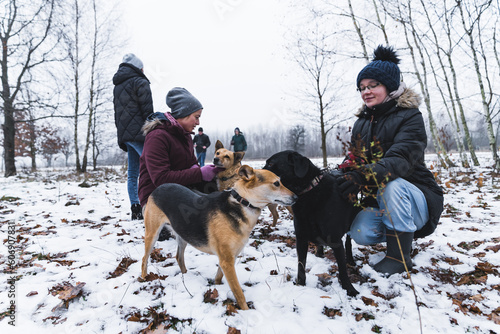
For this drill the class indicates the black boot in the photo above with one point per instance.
(164, 234)
(136, 212)
(393, 262)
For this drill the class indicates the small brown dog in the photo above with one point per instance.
(231, 161)
(219, 223)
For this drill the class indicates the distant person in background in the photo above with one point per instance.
(133, 104)
(402, 200)
(168, 155)
(238, 141)
(201, 143)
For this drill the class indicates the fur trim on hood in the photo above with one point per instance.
(153, 121)
(410, 99)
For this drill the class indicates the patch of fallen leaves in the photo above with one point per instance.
(66, 292)
(211, 296)
(479, 275)
(158, 321)
(122, 267)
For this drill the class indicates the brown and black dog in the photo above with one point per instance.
(219, 223)
(231, 161)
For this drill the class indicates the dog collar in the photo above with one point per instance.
(313, 183)
(241, 199)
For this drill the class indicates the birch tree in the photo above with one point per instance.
(485, 90)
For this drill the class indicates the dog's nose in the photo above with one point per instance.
(216, 160)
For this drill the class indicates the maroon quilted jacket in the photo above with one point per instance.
(167, 157)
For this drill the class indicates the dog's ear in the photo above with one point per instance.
(246, 172)
(238, 156)
(218, 145)
(300, 164)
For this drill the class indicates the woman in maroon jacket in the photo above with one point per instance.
(168, 155)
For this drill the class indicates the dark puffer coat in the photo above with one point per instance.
(398, 131)
(133, 103)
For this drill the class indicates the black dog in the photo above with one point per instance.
(320, 214)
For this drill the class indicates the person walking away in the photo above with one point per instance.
(238, 141)
(168, 155)
(133, 103)
(201, 143)
(402, 199)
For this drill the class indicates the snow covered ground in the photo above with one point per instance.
(78, 254)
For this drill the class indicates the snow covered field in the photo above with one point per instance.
(78, 255)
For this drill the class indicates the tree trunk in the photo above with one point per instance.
(358, 31)
(432, 124)
(9, 130)
(457, 133)
(485, 104)
(77, 85)
(9, 134)
(380, 23)
(31, 125)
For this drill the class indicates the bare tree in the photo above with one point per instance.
(486, 92)
(24, 29)
(315, 57)
(446, 99)
(296, 138)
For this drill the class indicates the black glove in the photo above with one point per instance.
(351, 184)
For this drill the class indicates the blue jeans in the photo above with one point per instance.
(201, 158)
(134, 150)
(406, 208)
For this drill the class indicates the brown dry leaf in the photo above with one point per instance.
(211, 296)
(122, 267)
(151, 277)
(232, 330)
(452, 261)
(67, 293)
(123, 232)
(495, 318)
(494, 248)
(466, 279)
(71, 292)
(157, 255)
(324, 279)
(331, 312)
(486, 267)
(32, 293)
(326, 297)
(477, 298)
(369, 301)
(460, 306)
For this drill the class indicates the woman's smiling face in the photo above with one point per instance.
(190, 122)
(372, 92)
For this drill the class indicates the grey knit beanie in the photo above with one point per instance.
(383, 68)
(132, 59)
(182, 103)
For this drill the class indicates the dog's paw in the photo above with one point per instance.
(352, 292)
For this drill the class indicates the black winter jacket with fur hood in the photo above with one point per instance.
(133, 103)
(398, 132)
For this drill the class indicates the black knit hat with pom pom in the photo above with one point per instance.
(383, 68)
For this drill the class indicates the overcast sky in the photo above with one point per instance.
(228, 53)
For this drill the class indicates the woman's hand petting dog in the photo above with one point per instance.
(351, 184)
(208, 172)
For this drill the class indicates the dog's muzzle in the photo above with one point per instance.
(291, 201)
